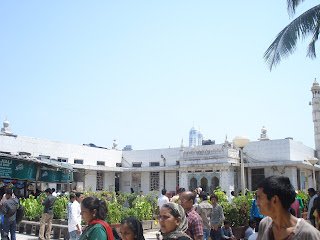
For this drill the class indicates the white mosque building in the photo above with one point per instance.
(189, 167)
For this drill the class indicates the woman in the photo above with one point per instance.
(316, 213)
(173, 222)
(131, 229)
(94, 211)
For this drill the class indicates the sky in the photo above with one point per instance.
(144, 72)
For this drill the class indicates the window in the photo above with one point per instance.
(62, 159)
(43, 157)
(154, 181)
(101, 163)
(99, 180)
(154, 164)
(78, 161)
(136, 164)
(178, 163)
(118, 164)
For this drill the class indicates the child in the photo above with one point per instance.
(226, 231)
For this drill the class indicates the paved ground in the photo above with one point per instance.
(149, 235)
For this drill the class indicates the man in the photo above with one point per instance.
(47, 214)
(313, 195)
(205, 209)
(53, 192)
(231, 196)
(255, 214)
(250, 229)
(226, 231)
(216, 219)
(75, 222)
(275, 195)
(72, 199)
(162, 200)
(9, 210)
(195, 229)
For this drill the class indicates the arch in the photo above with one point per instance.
(193, 184)
(214, 183)
(204, 184)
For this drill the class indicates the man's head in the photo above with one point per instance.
(8, 193)
(252, 223)
(164, 191)
(72, 197)
(186, 200)
(203, 196)
(232, 193)
(214, 199)
(47, 191)
(227, 224)
(274, 193)
(53, 190)
(79, 197)
(311, 192)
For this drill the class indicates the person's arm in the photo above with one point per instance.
(198, 229)
(221, 215)
(4, 209)
(223, 236)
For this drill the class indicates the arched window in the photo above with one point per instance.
(193, 184)
(214, 183)
(204, 184)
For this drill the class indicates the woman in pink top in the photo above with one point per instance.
(295, 205)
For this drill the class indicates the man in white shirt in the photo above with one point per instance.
(162, 200)
(74, 221)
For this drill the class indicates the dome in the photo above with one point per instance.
(6, 123)
(315, 83)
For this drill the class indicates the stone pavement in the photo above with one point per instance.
(148, 235)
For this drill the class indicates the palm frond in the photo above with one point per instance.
(286, 40)
(312, 48)
(292, 5)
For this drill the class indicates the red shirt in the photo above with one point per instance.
(195, 227)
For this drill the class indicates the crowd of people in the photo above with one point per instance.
(275, 214)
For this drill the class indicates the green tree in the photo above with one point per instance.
(306, 24)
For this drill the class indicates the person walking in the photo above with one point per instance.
(162, 200)
(313, 195)
(72, 199)
(9, 210)
(205, 209)
(74, 225)
(216, 219)
(47, 215)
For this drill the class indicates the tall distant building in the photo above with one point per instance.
(195, 137)
(316, 115)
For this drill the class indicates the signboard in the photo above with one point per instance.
(17, 169)
(48, 175)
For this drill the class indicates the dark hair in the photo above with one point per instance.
(53, 189)
(279, 186)
(135, 226)
(252, 222)
(100, 205)
(214, 196)
(72, 195)
(226, 222)
(232, 193)
(164, 191)
(173, 212)
(48, 190)
(311, 190)
(8, 191)
(203, 195)
(78, 194)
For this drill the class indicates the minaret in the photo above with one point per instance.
(199, 137)
(316, 115)
(6, 129)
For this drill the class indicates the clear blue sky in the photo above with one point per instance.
(143, 72)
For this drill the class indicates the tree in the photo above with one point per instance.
(306, 24)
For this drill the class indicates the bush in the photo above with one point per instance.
(60, 207)
(33, 207)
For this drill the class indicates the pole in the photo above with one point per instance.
(314, 178)
(242, 173)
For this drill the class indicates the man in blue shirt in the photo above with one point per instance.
(255, 215)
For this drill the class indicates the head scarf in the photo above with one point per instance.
(181, 229)
(136, 224)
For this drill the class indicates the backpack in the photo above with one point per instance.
(20, 213)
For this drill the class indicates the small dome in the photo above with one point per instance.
(6, 123)
(263, 130)
(315, 83)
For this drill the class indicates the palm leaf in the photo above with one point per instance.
(292, 5)
(286, 40)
